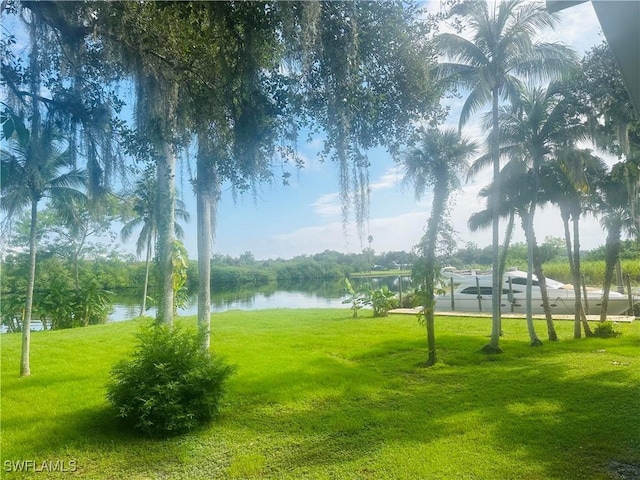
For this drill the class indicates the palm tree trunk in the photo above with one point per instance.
(25, 367)
(207, 197)
(542, 281)
(166, 233)
(508, 233)
(528, 228)
(577, 279)
(204, 267)
(34, 142)
(440, 194)
(612, 251)
(143, 308)
(577, 331)
(494, 344)
(505, 249)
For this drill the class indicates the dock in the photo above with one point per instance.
(590, 318)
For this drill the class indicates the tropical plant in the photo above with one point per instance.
(92, 304)
(569, 181)
(144, 209)
(180, 260)
(36, 167)
(601, 97)
(382, 300)
(357, 298)
(619, 204)
(535, 129)
(484, 219)
(437, 161)
(501, 46)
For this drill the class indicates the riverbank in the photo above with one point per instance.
(318, 394)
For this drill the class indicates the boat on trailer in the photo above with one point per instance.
(472, 291)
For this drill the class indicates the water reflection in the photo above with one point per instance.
(300, 294)
(293, 294)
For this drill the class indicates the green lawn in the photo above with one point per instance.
(319, 395)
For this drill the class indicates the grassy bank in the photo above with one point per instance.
(381, 273)
(320, 395)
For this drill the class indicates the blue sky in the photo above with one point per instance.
(305, 218)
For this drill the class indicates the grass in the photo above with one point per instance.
(381, 273)
(320, 395)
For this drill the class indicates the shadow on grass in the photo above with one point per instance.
(338, 404)
(566, 422)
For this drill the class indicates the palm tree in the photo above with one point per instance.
(146, 218)
(516, 194)
(569, 182)
(436, 162)
(501, 47)
(35, 168)
(618, 205)
(533, 130)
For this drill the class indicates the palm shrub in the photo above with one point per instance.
(606, 330)
(357, 297)
(382, 300)
(170, 384)
(92, 305)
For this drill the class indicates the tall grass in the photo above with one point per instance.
(318, 394)
(593, 271)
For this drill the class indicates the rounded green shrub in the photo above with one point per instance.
(170, 385)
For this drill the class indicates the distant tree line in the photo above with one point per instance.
(100, 274)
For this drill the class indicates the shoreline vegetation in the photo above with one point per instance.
(121, 276)
(122, 272)
(107, 277)
(318, 394)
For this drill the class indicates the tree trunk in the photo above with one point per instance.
(505, 250)
(35, 152)
(527, 221)
(204, 267)
(612, 251)
(440, 195)
(577, 331)
(166, 233)
(577, 279)
(542, 281)
(25, 367)
(143, 308)
(208, 191)
(494, 344)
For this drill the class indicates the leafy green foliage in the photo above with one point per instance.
(382, 300)
(170, 385)
(91, 304)
(357, 298)
(64, 307)
(57, 302)
(606, 330)
(180, 260)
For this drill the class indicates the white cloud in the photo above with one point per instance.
(578, 27)
(328, 205)
(391, 178)
(399, 232)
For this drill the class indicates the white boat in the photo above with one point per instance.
(472, 292)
